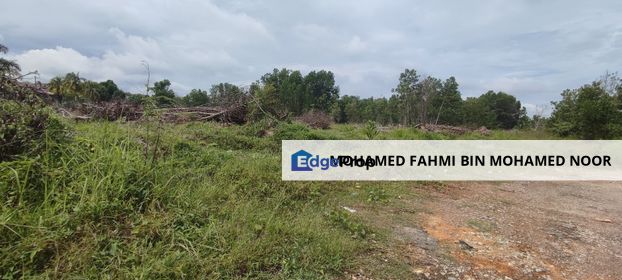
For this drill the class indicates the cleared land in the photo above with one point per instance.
(518, 230)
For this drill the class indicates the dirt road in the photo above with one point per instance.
(518, 230)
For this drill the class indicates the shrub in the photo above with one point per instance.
(294, 131)
(589, 112)
(371, 130)
(27, 128)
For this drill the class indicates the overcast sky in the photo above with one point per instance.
(533, 49)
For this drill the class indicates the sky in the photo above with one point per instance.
(533, 49)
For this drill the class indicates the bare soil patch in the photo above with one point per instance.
(517, 230)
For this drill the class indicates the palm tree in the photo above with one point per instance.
(72, 85)
(8, 68)
(56, 85)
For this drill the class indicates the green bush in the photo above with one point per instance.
(26, 129)
(371, 130)
(295, 131)
(589, 112)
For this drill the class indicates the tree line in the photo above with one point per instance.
(415, 100)
(592, 111)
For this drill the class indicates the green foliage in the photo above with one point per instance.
(506, 108)
(347, 222)
(429, 100)
(447, 105)
(291, 131)
(26, 128)
(370, 130)
(152, 200)
(265, 104)
(588, 113)
(163, 94)
(298, 94)
(138, 99)
(72, 87)
(493, 110)
(285, 93)
(8, 68)
(406, 91)
(110, 91)
(320, 90)
(289, 87)
(196, 97)
(477, 113)
(377, 194)
(354, 109)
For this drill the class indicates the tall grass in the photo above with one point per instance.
(150, 201)
(208, 207)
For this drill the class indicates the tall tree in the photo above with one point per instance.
(72, 85)
(508, 111)
(320, 90)
(266, 103)
(289, 88)
(8, 68)
(425, 93)
(110, 91)
(597, 112)
(162, 92)
(196, 97)
(588, 112)
(478, 113)
(406, 92)
(90, 90)
(55, 85)
(447, 105)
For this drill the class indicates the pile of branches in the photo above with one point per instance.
(26, 121)
(110, 111)
(316, 119)
(123, 110)
(235, 114)
(453, 130)
(16, 89)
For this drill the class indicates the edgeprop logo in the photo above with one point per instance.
(305, 161)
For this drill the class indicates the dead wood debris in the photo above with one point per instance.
(120, 110)
(448, 129)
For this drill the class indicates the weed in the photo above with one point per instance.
(371, 130)
(347, 222)
(376, 194)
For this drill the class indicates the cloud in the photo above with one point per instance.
(60, 60)
(356, 45)
(189, 53)
(532, 49)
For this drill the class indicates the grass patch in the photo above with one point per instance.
(171, 201)
(199, 200)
